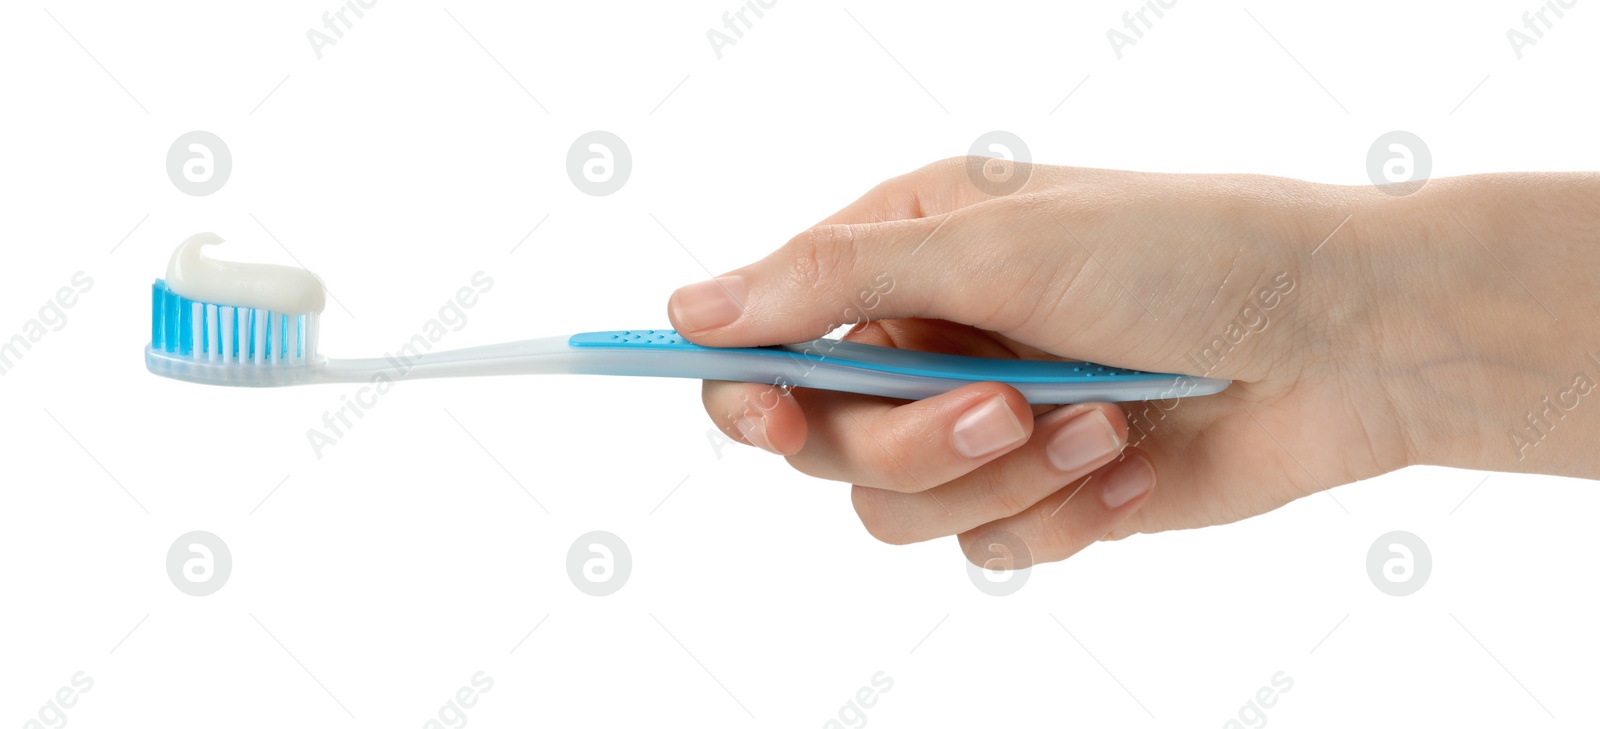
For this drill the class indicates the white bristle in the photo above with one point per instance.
(274, 334)
(197, 323)
(293, 340)
(258, 328)
(225, 318)
(212, 344)
(242, 326)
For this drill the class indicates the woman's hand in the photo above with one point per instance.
(1315, 299)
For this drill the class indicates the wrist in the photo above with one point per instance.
(1483, 331)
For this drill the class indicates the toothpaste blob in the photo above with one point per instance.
(280, 289)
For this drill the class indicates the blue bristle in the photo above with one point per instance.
(158, 329)
(169, 317)
(172, 328)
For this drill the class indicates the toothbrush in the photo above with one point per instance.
(256, 325)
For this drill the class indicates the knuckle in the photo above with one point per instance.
(926, 190)
(1009, 499)
(879, 518)
(896, 478)
(821, 255)
(944, 169)
(1005, 493)
(1057, 538)
(889, 451)
(893, 466)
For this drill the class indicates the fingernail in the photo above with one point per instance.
(987, 428)
(1085, 439)
(1128, 481)
(709, 304)
(754, 431)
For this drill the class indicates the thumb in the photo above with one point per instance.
(839, 275)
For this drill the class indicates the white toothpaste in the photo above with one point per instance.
(281, 289)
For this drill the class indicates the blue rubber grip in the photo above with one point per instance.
(882, 359)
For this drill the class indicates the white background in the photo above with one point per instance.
(376, 581)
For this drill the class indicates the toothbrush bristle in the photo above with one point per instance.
(228, 334)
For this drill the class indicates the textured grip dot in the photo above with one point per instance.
(652, 338)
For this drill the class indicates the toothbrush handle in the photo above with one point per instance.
(824, 364)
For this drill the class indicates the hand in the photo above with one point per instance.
(1296, 291)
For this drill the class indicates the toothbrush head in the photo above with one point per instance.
(227, 323)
